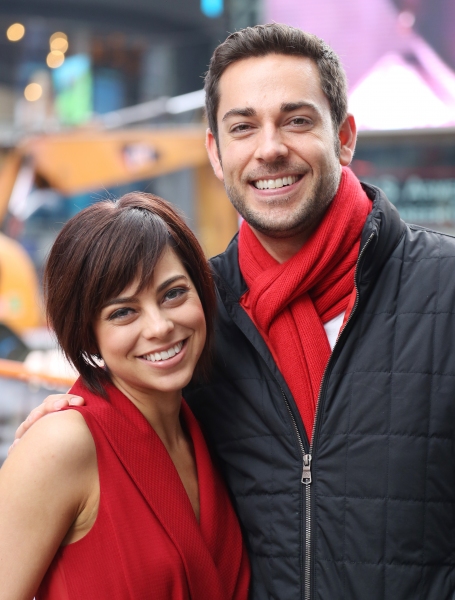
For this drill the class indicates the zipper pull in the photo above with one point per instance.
(306, 472)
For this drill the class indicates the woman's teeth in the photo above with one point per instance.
(271, 184)
(165, 354)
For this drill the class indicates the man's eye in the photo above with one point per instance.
(120, 313)
(300, 121)
(240, 128)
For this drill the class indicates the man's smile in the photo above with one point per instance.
(274, 183)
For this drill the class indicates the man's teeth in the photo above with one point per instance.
(271, 184)
(165, 354)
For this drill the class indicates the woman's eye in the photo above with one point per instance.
(175, 294)
(120, 313)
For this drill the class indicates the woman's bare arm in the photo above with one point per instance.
(47, 486)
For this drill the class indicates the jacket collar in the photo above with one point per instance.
(385, 229)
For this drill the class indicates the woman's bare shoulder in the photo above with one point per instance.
(46, 483)
(60, 440)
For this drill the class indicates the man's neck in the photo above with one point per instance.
(282, 249)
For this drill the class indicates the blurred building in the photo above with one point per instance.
(103, 56)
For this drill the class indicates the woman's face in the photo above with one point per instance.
(152, 340)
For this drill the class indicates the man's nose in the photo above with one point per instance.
(271, 145)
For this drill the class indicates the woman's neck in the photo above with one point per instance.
(162, 411)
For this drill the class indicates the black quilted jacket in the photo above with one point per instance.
(377, 520)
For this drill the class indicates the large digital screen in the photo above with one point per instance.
(73, 90)
(399, 56)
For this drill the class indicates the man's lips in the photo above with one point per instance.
(274, 183)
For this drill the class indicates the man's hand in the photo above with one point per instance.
(51, 404)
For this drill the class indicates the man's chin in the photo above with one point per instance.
(277, 225)
(285, 219)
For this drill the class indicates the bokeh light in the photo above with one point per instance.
(406, 19)
(59, 41)
(33, 92)
(55, 59)
(15, 32)
(59, 44)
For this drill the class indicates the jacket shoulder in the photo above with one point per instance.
(424, 243)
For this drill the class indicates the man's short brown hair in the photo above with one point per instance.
(101, 251)
(276, 38)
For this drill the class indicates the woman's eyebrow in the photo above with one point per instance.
(121, 300)
(161, 287)
(170, 281)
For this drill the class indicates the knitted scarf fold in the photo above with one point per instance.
(290, 302)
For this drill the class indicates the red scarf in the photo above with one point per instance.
(290, 302)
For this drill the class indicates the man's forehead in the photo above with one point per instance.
(256, 62)
(286, 81)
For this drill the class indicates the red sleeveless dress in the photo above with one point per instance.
(146, 542)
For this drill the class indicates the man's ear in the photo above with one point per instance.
(347, 135)
(214, 157)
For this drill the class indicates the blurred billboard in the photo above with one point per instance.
(399, 56)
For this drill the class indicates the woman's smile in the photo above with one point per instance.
(166, 359)
(164, 355)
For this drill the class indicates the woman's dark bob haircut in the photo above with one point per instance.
(102, 250)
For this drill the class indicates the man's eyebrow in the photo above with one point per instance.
(286, 107)
(239, 112)
(291, 106)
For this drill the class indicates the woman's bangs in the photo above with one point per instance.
(137, 239)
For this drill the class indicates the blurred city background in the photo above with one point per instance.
(102, 97)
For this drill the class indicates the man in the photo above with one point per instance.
(330, 405)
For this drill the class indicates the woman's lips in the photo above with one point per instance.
(164, 355)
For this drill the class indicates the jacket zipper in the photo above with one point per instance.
(307, 458)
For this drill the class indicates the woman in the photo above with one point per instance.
(119, 499)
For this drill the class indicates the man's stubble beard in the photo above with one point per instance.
(303, 219)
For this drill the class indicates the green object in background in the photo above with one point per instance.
(15, 304)
(73, 87)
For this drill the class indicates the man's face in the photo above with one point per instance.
(278, 154)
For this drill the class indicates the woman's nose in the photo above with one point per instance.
(156, 325)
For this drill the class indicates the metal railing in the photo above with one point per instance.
(20, 392)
